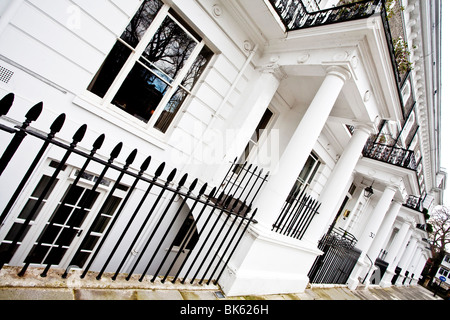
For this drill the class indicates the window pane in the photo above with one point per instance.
(171, 110)
(197, 68)
(55, 256)
(28, 208)
(141, 21)
(140, 93)
(14, 231)
(307, 169)
(77, 218)
(170, 47)
(74, 194)
(110, 69)
(42, 185)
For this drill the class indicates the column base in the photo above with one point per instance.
(399, 282)
(271, 264)
(386, 281)
(357, 276)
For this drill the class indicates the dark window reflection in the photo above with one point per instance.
(155, 70)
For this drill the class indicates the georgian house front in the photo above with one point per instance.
(263, 145)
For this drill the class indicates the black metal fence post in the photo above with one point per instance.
(95, 147)
(32, 115)
(201, 192)
(54, 129)
(169, 180)
(191, 188)
(144, 167)
(188, 237)
(128, 162)
(79, 135)
(158, 173)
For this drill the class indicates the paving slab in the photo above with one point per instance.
(52, 287)
(35, 294)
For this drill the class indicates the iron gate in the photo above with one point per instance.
(338, 260)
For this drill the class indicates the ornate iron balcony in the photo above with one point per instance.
(414, 203)
(295, 15)
(392, 155)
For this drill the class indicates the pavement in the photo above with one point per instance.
(33, 287)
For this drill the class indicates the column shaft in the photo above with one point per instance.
(337, 184)
(375, 220)
(275, 192)
(385, 228)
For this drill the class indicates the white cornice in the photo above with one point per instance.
(419, 33)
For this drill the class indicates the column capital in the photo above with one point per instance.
(397, 202)
(391, 187)
(274, 69)
(367, 128)
(340, 72)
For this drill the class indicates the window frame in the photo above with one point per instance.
(44, 215)
(136, 54)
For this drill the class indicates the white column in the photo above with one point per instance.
(406, 259)
(374, 223)
(384, 231)
(257, 101)
(276, 190)
(419, 268)
(414, 261)
(337, 184)
(394, 251)
(369, 234)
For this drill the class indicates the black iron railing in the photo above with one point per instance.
(414, 203)
(243, 181)
(389, 154)
(338, 260)
(203, 227)
(295, 15)
(297, 213)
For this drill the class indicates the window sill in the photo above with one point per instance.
(133, 127)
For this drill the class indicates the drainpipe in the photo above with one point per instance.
(233, 86)
(225, 100)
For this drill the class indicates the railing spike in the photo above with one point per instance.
(116, 151)
(131, 157)
(243, 205)
(172, 175)
(193, 185)
(212, 193)
(146, 164)
(5, 103)
(203, 189)
(99, 142)
(220, 196)
(227, 201)
(34, 112)
(58, 123)
(79, 135)
(183, 180)
(160, 169)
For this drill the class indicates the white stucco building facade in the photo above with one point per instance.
(188, 82)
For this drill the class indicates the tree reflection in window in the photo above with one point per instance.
(156, 70)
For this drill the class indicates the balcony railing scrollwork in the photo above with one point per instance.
(389, 154)
(295, 15)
